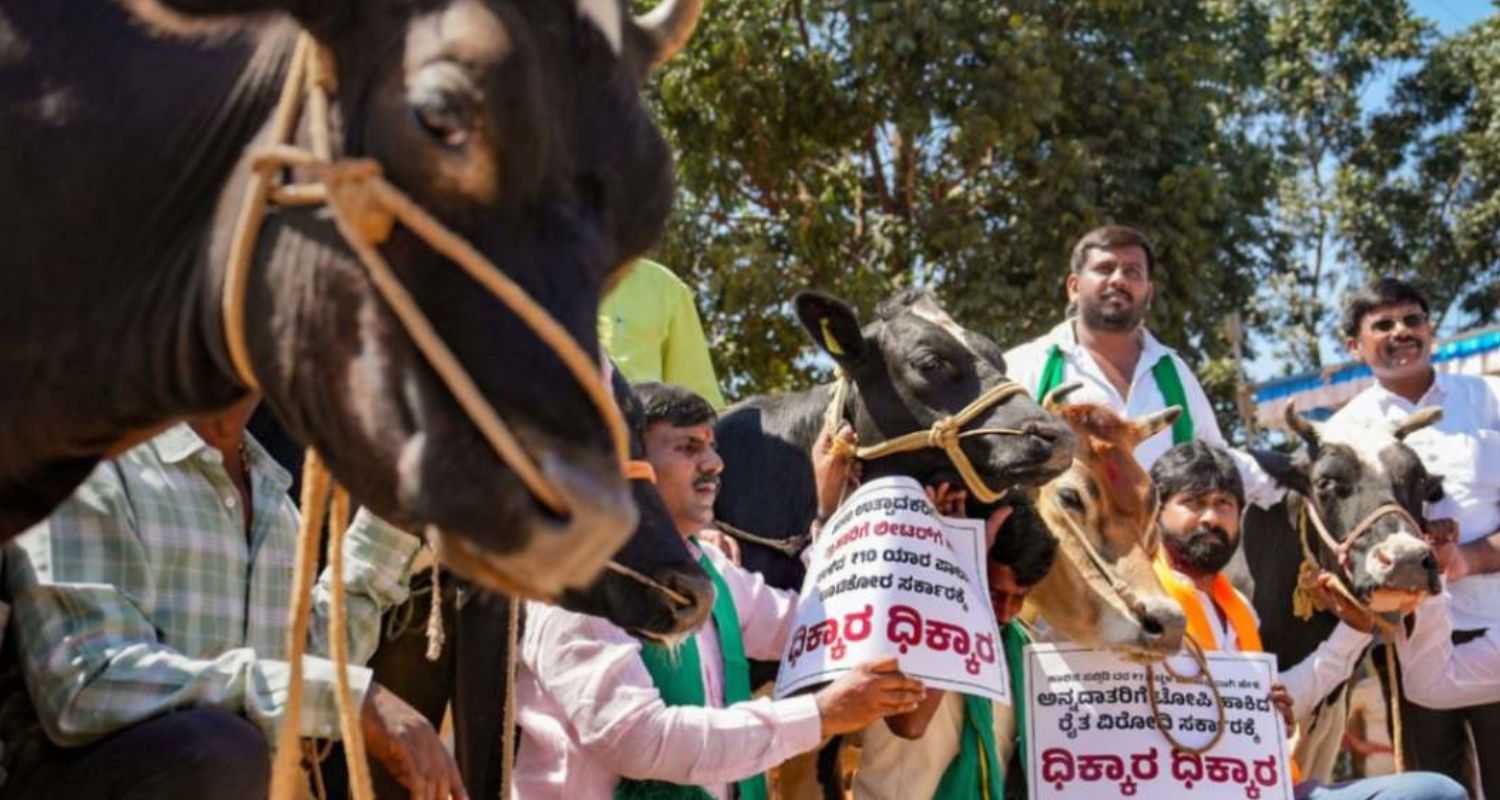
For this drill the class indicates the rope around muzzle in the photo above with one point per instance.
(946, 434)
(365, 209)
(1302, 604)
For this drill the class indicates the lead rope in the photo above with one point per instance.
(1205, 677)
(350, 731)
(508, 736)
(1301, 602)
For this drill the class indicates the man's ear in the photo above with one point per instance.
(1352, 345)
(1290, 472)
(832, 325)
(1070, 285)
(190, 16)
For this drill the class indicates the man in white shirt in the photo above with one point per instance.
(1439, 674)
(1199, 521)
(1386, 326)
(1108, 349)
(602, 714)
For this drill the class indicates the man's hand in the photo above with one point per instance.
(836, 472)
(401, 739)
(1319, 586)
(948, 501)
(874, 690)
(993, 524)
(1282, 699)
(1442, 535)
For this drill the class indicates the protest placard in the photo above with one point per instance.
(888, 577)
(1091, 732)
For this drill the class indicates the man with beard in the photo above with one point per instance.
(1199, 525)
(1106, 347)
(1386, 326)
(603, 714)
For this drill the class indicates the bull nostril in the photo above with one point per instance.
(1043, 430)
(1429, 563)
(1382, 556)
(1152, 627)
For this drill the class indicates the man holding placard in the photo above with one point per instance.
(604, 715)
(1201, 499)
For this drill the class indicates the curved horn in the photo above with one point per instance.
(670, 25)
(1302, 426)
(1152, 424)
(1054, 399)
(1417, 421)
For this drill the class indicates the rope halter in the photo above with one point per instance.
(945, 434)
(365, 208)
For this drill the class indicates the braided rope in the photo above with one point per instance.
(1205, 677)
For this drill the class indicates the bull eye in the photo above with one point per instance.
(444, 105)
(1071, 500)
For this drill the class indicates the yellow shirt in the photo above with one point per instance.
(650, 327)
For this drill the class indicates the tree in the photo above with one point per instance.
(1423, 191)
(963, 145)
(1322, 57)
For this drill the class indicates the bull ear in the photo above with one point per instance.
(1286, 470)
(1148, 426)
(1417, 421)
(832, 324)
(1305, 428)
(669, 26)
(189, 16)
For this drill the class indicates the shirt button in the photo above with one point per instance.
(230, 502)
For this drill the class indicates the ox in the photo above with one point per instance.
(1348, 475)
(126, 134)
(1102, 591)
(471, 672)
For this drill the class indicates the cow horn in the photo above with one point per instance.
(1055, 398)
(1417, 421)
(1152, 424)
(606, 16)
(1302, 426)
(670, 25)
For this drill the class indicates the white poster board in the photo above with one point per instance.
(889, 578)
(1091, 734)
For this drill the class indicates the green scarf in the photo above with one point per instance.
(1167, 381)
(975, 771)
(679, 678)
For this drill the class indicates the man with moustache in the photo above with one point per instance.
(1199, 525)
(1387, 326)
(1106, 347)
(603, 714)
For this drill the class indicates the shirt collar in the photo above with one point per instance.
(1066, 336)
(1434, 394)
(180, 442)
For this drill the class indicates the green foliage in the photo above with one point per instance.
(962, 145)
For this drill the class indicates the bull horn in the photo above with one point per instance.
(1152, 424)
(1302, 426)
(670, 25)
(1417, 421)
(1055, 398)
(607, 17)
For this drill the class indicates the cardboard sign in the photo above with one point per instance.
(1091, 732)
(890, 578)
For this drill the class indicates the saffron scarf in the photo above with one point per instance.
(678, 676)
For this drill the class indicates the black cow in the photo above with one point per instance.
(1348, 474)
(126, 128)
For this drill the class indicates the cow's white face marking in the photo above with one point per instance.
(606, 16)
(1366, 442)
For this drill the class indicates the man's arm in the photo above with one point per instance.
(1322, 671)
(767, 614)
(1260, 488)
(1437, 674)
(377, 572)
(593, 671)
(93, 661)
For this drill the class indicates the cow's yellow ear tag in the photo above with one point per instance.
(828, 340)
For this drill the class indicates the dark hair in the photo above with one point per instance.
(1111, 236)
(674, 405)
(1026, 546)
(1384, 292)
(1197, 467)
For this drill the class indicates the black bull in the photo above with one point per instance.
(126, 132)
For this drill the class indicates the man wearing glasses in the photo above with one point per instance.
(1386, 326)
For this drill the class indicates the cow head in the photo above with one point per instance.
(914, 366)
(1103, 591)
(652, 607)
(520, 127)
(1348, 472)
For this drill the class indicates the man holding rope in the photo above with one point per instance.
(1387, 326)
(1199, 524)
(151, 613)
(603, 714)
